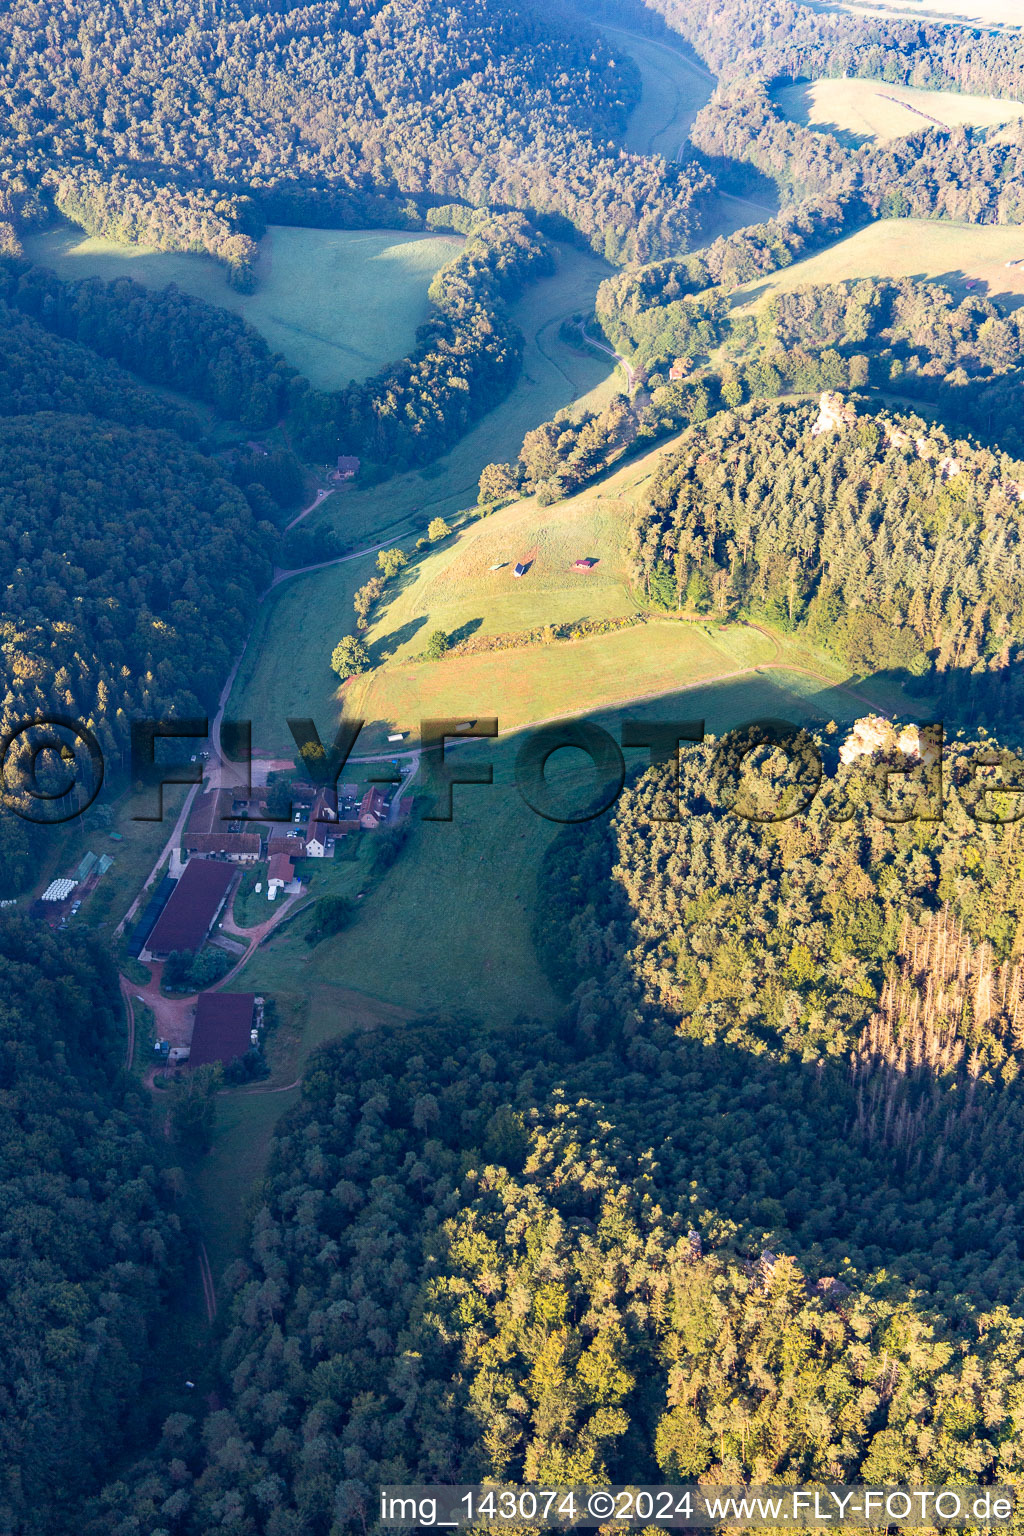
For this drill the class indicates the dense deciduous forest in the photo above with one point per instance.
(744, 1210)
(132, 562)
(743, 38)
(890, 336)
(969, 174)
(751, 252)
(465, 358)
(335, 112)
(163, 336)
(913, 339)
(92, 1244)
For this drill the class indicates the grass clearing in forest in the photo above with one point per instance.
(674, 88)
(857, 111)
(937, 250)
(339, 304)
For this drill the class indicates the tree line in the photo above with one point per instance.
(744, 38)
(968, 174)
(466, 358)
(131, 562)
(754, 251)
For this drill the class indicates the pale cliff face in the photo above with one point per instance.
(876, 734)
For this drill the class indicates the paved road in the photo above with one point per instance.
(396, 798)
(223, 773)
(172, 842)
(317, 499)
(602, 346)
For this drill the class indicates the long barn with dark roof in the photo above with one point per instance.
(192, 909)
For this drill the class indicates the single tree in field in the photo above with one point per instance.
(390, 561)
(498, 482)
(437, 644)
(349, 657)
(438, 529)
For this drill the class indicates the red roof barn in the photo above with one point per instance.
(223, 1027)
(192, 908)
(241, 846)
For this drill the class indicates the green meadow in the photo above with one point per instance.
(675, 87)
(965, 257)
(286, 668)
(339, 304)
(858, 110)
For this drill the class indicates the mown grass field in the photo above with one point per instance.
(992, 13)
(455, 588)
(857, 110)
(286, 669)
(953, 254)
(555, 374)
(674, 90)
(545, 682)
(337, 303)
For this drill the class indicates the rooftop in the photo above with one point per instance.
(225, 842)
(211, 813)
(222, 1027)
(193, 904)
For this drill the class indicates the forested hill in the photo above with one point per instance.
(130, 563)
(763, 38)
(894, 546)
(91, 1248)
(186, 126)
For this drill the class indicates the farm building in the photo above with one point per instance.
(192, 908)
(372, 810)
(211, 813)
(223, 1028)
(240, 847)
(323, 823)
(280, 872)
(145, 924)
(291, 844)
(586, 563)
(520, 569)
